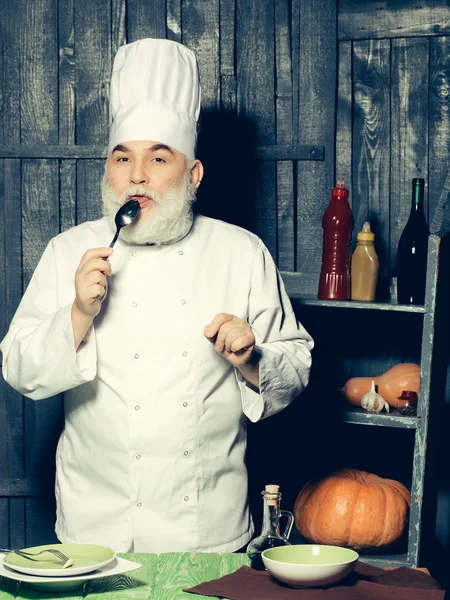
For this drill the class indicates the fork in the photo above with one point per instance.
(67, 562)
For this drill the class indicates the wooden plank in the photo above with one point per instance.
(344, 117)
(173, 15)
(40, 519)
(359, 19)
(440, 222)
(145, 19)
(67, 194)
(371, 144)
(316, 124)
(428, 360)
(201, 34)
(40, 211)
(439, 140)
(89, 202)
(4, 523)
(4, 505)
(30, 486)
(38, 81)
(11, 97)
(255, 54)
(227, 27)
(66, 73)
(43, 424)
(284, 113)
(42, 420)
(11, 93)
(272, 152)
(409, 129)
(227, 13)
(13, 401)
(48, 151)
(295, 50)
(118, 25)
(92, 70)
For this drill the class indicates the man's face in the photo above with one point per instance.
(149, 164)
(164, 183)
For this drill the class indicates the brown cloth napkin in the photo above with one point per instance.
(365, 583)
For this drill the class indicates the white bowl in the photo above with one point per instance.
(309, 565)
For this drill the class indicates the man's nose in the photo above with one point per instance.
(139, 174)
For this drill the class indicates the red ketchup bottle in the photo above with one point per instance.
(337, 223)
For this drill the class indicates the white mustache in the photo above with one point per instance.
(137, 190)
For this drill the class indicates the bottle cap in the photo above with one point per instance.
(409, 395)
(366, 235)
(340, 190)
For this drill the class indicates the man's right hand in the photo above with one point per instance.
(90, 281)
(90, 289)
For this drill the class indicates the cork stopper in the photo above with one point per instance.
(272, 494)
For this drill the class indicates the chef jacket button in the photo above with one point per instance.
(134, 304)
(183, 302)
(185, 452)
(186, 498)
(134, 254)
(138, 456)
(137, 407)
(185, 353)
(180, 252)
(136, 356)
(139, 504)
(185, 404)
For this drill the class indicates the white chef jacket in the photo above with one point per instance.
(152, 455)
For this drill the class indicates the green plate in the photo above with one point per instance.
(86, 558)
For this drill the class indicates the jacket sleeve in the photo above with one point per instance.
(39, 357)
(284, 346)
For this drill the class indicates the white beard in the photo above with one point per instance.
(168, 221)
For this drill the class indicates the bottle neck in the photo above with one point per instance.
(417, 196)
(271, 519)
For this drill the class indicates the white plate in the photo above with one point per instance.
(86, 558)
(60, 584)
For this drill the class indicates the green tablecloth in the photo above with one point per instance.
(161, 577)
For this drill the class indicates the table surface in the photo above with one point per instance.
(161, 577)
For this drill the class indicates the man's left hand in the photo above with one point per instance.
(232, 338)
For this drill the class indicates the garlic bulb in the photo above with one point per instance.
(373, 402)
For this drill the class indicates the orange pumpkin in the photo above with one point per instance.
(352, 508)
(404, 376)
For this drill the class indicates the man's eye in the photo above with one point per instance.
(158, 159)
(122, 159)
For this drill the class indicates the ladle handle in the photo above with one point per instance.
(113, 241)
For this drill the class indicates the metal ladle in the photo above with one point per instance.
(126, 215)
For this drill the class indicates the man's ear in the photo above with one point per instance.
(197, 173)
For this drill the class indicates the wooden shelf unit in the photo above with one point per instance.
(433, 367)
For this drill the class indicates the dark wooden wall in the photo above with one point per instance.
(258, 64)
(363, 84)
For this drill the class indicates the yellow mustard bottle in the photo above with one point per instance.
(364, 269)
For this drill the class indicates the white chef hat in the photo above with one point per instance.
(155, 95)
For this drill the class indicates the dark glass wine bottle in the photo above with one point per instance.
(412, 251)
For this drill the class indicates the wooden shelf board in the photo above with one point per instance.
(390, 306)
(362, 417)
(386, 560)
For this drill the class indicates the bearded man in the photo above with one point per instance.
(163, 347)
